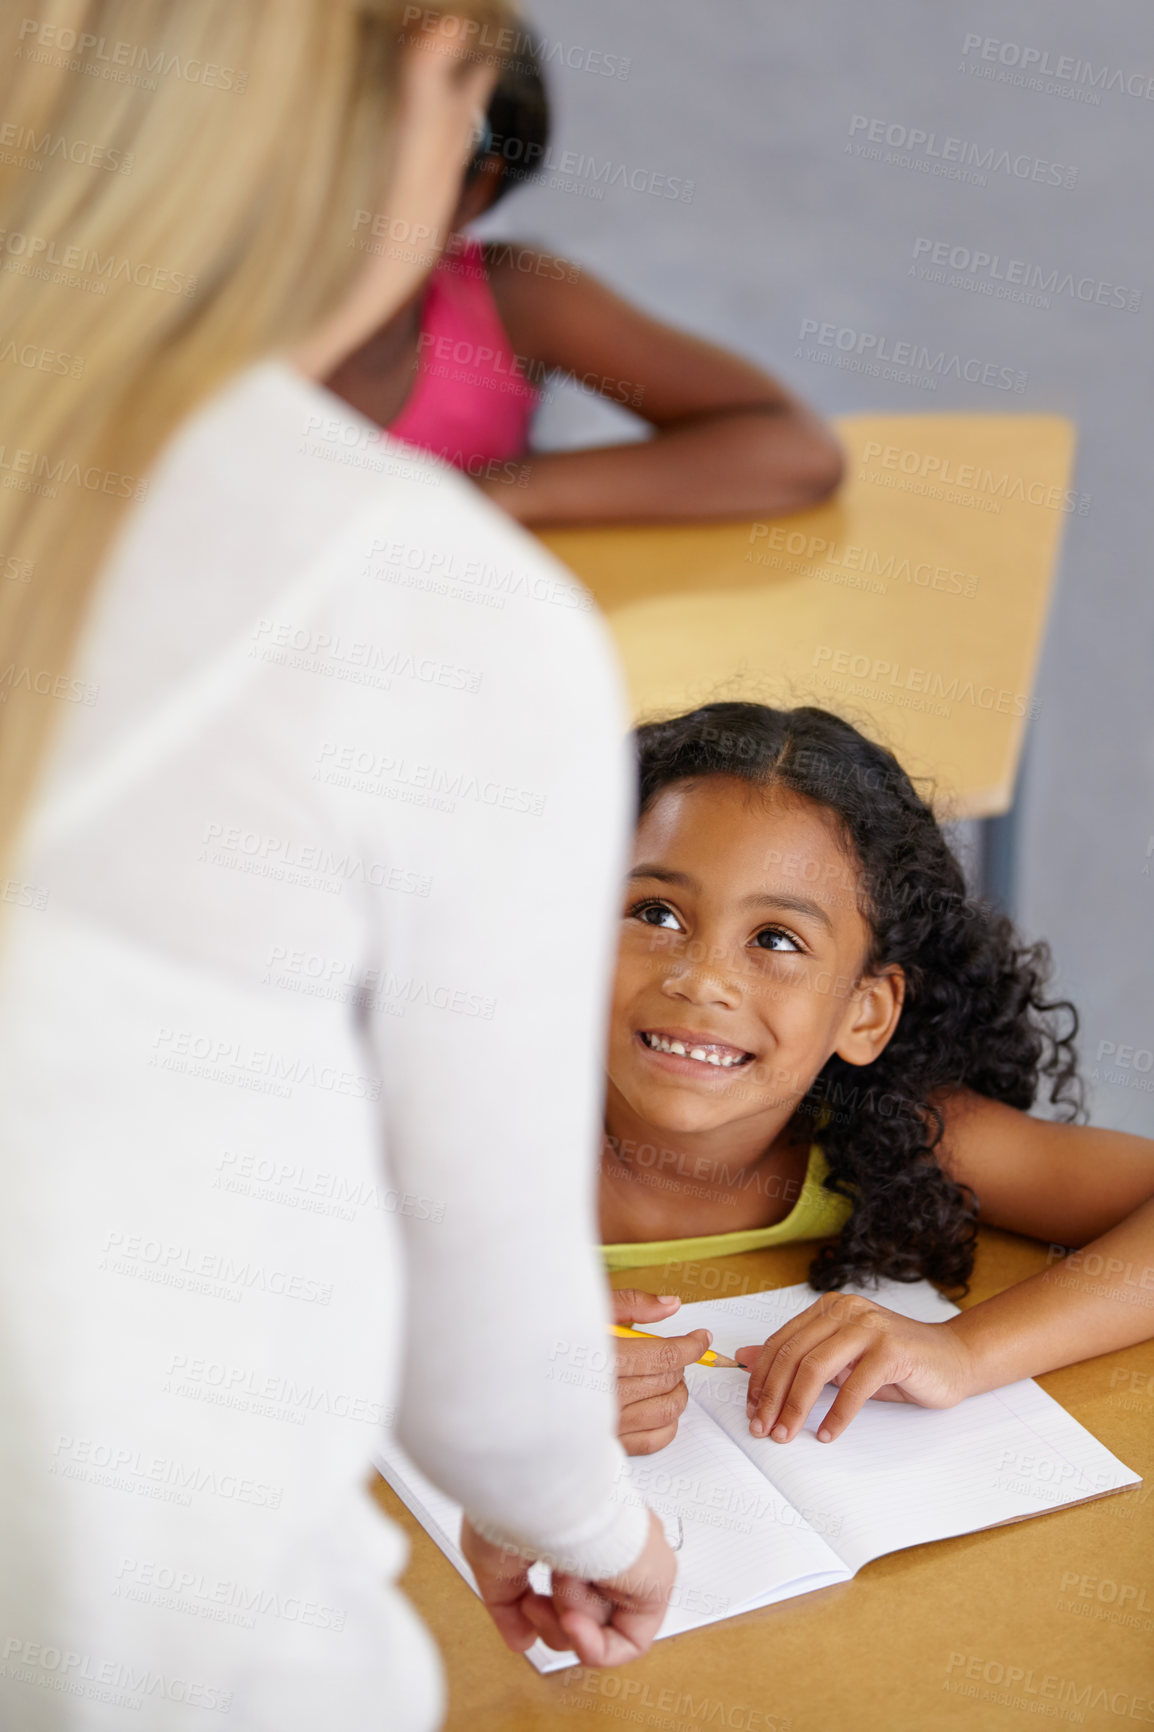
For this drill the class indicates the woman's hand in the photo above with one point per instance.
(867, 1351)
(606, 1623)
(651, 1392)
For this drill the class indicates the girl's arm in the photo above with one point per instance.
(1069, 1184)
(728, 441)
(1072, 1185)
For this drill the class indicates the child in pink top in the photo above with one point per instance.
(458, 373)
(471, 399)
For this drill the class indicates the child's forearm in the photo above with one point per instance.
(1100, 1299)
(735, 464)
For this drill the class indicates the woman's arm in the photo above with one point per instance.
(507, 1397)
(729, 440)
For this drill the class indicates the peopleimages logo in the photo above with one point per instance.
(118, 61)
(1038, 63)
(24, 147)
(118, 1683)
(927, 468)
(511, 45)
(957, 158)
(852, 557)
(41, 256)
(885, 678)
(874, 346)
(1015, 279)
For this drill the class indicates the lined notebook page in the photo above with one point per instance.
(902, 1475)
(742, 1543)
(739, 1542)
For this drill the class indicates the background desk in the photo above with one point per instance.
(913, 604)
(874, 1654)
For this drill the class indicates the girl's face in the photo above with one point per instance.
(741, 963)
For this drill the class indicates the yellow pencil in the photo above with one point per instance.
(707, 1358)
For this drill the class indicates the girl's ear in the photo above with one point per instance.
(872, 1015)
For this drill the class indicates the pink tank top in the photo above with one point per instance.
(470, 404)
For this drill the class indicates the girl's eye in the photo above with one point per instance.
(776, 938)
(656, 914)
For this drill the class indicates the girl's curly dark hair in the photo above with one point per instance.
(975, 1014)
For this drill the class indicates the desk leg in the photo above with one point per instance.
(986, 850)
(997, 860)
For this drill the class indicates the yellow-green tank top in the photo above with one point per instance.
(817, 1214)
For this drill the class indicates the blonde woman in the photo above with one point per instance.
(309, 759)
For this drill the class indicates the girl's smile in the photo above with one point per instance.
(689, 1052)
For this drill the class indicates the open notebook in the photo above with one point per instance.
(755, 1521)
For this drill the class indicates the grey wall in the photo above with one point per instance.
(752, 102)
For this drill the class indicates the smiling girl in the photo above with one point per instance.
(817, 1033)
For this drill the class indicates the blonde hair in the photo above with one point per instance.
(180, 202)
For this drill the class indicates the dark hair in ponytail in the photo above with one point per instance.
(975, 1016)
(516, 123)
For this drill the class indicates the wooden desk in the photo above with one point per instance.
(914, 604)
(880, 1653)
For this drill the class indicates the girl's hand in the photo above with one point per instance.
(867, 1351)
(651, 1391)
(606, 1623)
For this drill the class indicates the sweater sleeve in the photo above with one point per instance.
(517, 803)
